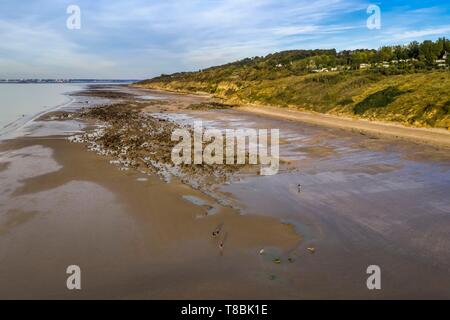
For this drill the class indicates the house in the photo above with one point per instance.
(442, 63)
(443, 59)
(320, 70)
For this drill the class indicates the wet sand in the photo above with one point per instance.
(364, 201)
(438, 137)
(132, 239)
(133, 235)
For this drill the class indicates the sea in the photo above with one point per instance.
(20, 103)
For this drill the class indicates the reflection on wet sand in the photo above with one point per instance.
(362, 201)
(132, 239)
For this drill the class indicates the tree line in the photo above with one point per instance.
(413, 57)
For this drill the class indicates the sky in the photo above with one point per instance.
(138, 39)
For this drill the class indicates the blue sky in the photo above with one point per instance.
(137, 39)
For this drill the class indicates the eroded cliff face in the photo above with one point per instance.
(419, 99)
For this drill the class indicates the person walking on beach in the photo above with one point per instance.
(222, 243)
(217, 230)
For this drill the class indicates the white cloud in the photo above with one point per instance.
(30, 49)
(418, 34)
(140, 38)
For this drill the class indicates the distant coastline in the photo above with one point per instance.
(21, 81)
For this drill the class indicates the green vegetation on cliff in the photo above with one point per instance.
(413, 91)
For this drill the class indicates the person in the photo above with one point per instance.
(299, 186)
(222, 243)
(217, 230)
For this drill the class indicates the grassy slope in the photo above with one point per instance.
(418, 99)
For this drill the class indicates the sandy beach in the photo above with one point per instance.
(430, 136)
(366, 199)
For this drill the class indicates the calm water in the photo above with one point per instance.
(22, 101)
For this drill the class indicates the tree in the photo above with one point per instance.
(447, 45)
(400, 52)
(438, 47)
(428, 52)
(386, 53)
(413, 50)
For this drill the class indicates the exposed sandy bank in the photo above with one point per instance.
(438, 137)
(133, 235)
